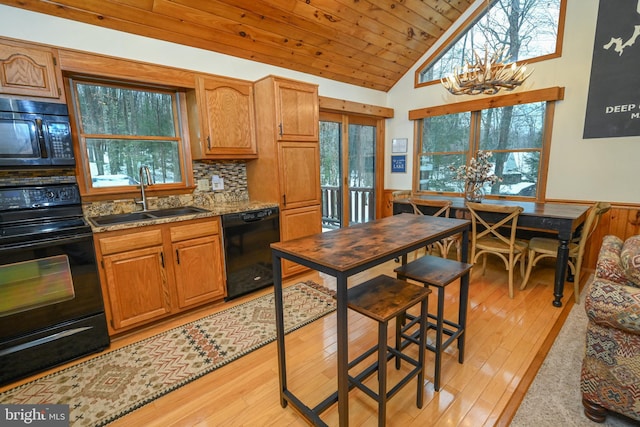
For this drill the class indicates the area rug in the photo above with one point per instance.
(554, 397)
(108, 386)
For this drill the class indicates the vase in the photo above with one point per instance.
(474, 191)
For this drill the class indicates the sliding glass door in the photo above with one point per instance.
(347, 169)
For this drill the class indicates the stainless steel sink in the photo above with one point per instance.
(184, 210)
(101, 221)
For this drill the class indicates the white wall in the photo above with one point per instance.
(579, 169)
(592, 169)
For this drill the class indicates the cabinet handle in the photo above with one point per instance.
(209, 142)
(284, 199)
(280, 127)
(177, 256)
(162, 259)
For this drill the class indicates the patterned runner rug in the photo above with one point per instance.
(108, 386)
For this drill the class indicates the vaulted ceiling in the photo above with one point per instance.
(369, 43)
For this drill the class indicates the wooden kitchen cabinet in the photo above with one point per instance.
(296, 223)
(137, 286)
(299, 164)
(154, 271)
(30, 71)
(134, 277)
(297, 110)
(222, 119)
(287, 170)
(199, 265)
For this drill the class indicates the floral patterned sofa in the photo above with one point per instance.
(610, 379)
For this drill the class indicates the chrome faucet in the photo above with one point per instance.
(144, 171)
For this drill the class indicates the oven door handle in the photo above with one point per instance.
(44, 243)
(43, 340)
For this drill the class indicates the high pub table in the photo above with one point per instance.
(342, 253)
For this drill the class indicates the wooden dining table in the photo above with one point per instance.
(342, 253)
(561, 218)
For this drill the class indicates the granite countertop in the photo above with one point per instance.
(215, 209)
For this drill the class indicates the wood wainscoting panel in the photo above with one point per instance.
(622, 221)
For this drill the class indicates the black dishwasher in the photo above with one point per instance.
(247, 252)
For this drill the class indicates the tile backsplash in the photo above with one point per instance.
(234, 174)
(36, 177)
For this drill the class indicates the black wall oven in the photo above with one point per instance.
(34, 134)
(51, 306)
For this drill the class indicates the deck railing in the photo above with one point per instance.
(361, 203)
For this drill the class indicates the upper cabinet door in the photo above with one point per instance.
(296, 111)
(299, 174)
(29, 71)
(227, 116)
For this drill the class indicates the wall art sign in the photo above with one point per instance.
(398, 164)
(613, 105)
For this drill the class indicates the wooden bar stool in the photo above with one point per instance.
(439, 272)
(382, 299)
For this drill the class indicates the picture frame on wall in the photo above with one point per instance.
(398, 164)
(399, 145)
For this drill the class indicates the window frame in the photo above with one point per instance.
(549, 95)
(470, 22)
(91, 193)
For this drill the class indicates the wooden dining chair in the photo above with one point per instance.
(441, 208)
(493, 231)
(401, 194)
(543, 247)
(438, 208)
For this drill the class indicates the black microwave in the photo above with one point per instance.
(34, 134)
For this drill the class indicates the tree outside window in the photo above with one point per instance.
(123, 128)
(515, 135)
(527, 30)
(445, 142)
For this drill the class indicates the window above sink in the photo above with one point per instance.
(121, 127)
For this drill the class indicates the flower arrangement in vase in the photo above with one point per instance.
(476, 175)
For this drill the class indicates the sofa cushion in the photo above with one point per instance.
(614, 306)
(609, 266)
(630, 259)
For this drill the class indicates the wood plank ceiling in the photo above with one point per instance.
(369, 43)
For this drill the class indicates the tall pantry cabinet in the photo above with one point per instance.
(287, 170)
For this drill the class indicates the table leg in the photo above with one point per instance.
(561, 270)
(279, 306)
(343, 350)
(462, 314)
(464, 249)
(464, 297)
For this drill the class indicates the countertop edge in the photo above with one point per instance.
(214, 211)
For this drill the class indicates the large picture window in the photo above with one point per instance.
(517, 134)
(122, 128)
(527, 30)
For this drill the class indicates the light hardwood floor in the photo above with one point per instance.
(507, 340)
